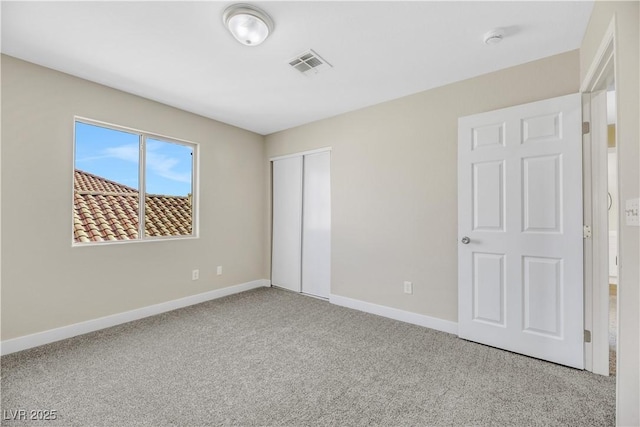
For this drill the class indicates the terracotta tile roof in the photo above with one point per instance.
(106, 210)
(85, 181)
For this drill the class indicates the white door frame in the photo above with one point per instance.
(600, 74)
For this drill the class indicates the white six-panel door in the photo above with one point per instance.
(520, 274)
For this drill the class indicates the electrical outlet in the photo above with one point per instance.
(219, 270)
(195, 274)
(408, 287)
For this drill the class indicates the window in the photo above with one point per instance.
(131, 185)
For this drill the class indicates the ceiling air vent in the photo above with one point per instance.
(309, 62)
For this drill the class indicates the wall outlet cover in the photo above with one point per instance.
(408, 287)
(632, 212)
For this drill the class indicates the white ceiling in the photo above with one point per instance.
(180, 54)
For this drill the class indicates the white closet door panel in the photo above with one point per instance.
(316, 226)
(287, 223)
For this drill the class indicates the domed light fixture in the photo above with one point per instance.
(248, 24)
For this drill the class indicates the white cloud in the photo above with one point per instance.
(164, 165)
(127, 153)
(158, 163)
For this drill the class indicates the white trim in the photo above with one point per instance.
(601, 59)
(302, 153)
(587, 246)
(142, 189)
(128, 129)
(142, 142)
(133, 242)
(600, 235)
(396, 314)
(64, 332)
(596, 263)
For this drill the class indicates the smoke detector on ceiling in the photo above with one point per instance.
(309, 62)
(494, 36)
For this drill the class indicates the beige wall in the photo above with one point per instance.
(627, 15)
(45, 282)
(394, 183)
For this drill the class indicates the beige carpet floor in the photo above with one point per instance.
(273, 358)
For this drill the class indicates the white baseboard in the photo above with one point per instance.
(396, 314)
(57, 334)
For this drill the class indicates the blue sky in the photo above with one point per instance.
(114, 155)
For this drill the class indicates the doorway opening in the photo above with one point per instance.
(601, 209)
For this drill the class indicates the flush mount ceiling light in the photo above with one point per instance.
(494, 36)
(248, 24)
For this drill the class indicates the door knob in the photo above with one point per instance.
(465, 240)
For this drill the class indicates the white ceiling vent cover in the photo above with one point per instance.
(309, 62)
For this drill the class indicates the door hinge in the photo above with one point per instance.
(587, 336)
(586, 128)
(586, 231)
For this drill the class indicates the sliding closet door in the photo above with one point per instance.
(287, 223)
(316, 225)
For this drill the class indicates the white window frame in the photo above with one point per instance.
(143, 136)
